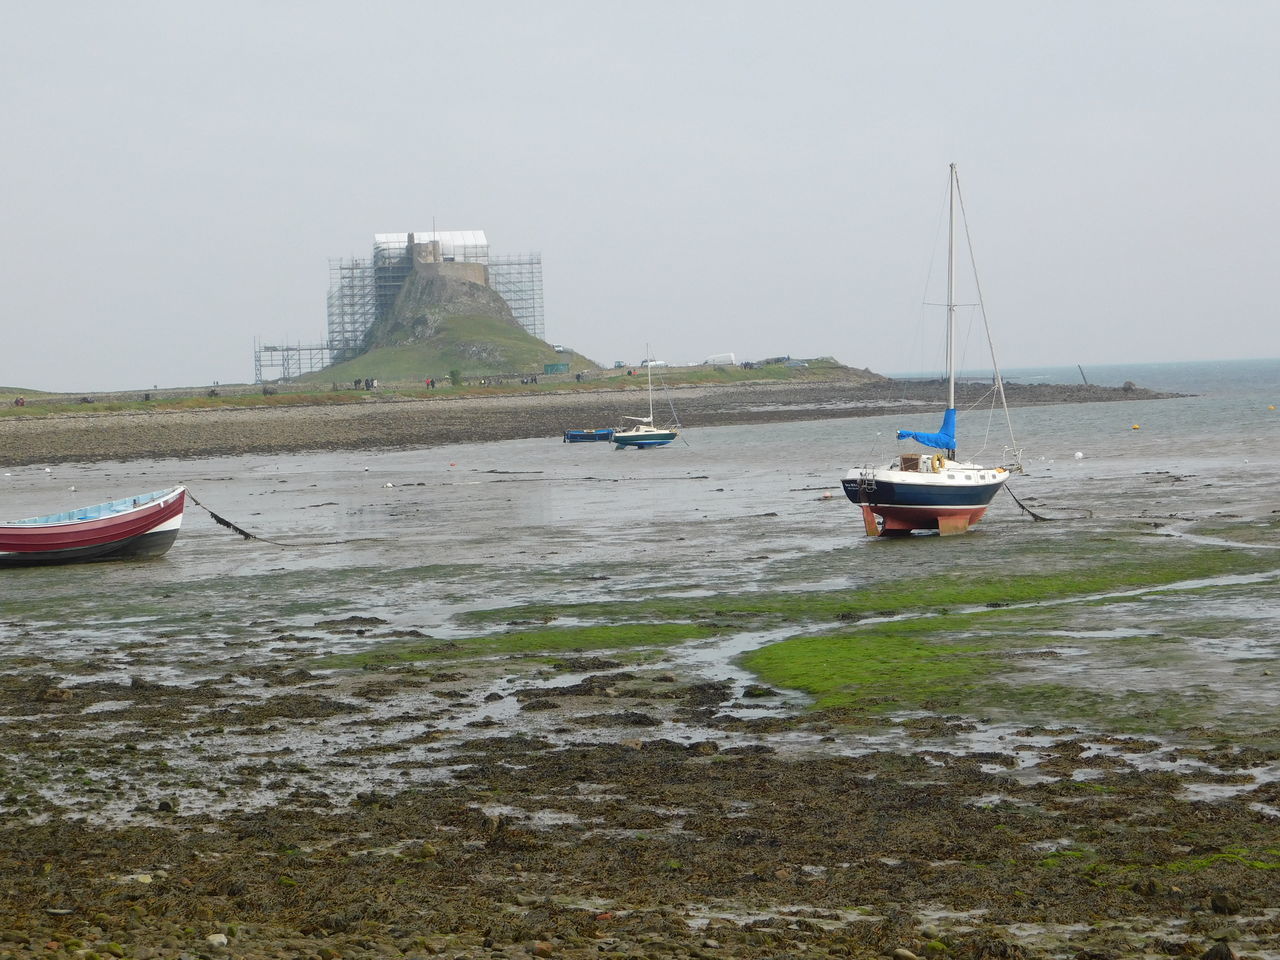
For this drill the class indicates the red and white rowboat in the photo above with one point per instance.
(140, 526)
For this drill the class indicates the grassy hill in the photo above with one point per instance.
(439, 324)
(473, 345)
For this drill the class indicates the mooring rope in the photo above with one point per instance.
(224, 522)
(1040, 517)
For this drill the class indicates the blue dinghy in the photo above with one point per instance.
(581, 435)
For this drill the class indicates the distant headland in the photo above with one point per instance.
(284, 418)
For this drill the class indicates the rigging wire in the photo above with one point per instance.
(982, 309)
(675, 417)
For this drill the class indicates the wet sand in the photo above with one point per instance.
(391, 421)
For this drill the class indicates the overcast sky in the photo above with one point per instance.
(705, 177)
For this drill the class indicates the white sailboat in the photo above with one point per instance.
(641, 432)
(919, 491)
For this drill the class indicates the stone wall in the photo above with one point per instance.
(428, 262)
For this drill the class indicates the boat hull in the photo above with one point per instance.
(651, 438)
(899, 505)
(588, 436)
(135, 528)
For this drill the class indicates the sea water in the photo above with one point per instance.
(1211, 377)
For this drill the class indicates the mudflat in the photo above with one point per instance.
(577, 712)
(533, 806)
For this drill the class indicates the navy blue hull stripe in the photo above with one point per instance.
(919, 495)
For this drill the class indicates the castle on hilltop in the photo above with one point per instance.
(363, 291)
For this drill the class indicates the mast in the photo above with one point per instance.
(951, 294)
(951, 290)
(649, 370)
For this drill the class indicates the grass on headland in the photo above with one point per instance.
(327, 387)
(41, 407)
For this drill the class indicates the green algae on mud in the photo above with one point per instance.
(892, 663)
(1003, 657)
(543, 640)
(1069, 663)
(1253, 532)
(275, 594)
(1086, 575)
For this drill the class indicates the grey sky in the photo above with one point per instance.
(761, 178)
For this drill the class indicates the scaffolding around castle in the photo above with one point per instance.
(351, 306)
(288, 362)
(363, 290)
(518, 280)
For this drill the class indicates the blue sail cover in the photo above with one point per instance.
(944, 439)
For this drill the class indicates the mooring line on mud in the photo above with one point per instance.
(586, 479)
(1087, 514)
(224, 522)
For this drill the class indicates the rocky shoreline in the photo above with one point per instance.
(390, 421)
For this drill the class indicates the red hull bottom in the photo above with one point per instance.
(134, 548)
(898, 522)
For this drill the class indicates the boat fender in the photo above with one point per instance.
(939, 461)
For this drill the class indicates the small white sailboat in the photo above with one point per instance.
(930, 492)
(641, 432)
